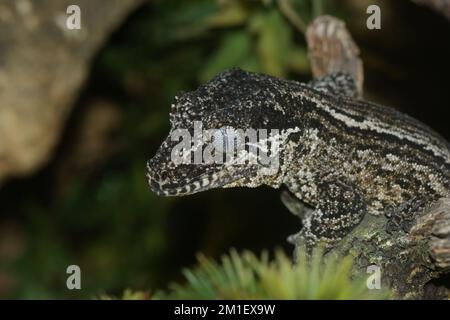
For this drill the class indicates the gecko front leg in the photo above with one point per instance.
(295, 205)
(340, 207)
(402, 216)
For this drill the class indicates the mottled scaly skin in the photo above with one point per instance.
(343, 157)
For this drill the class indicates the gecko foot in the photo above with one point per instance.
(402, 217)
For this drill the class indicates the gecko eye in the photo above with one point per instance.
(226, 139)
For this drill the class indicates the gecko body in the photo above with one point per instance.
(340, 157)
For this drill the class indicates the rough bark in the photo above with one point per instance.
(411, 262)
(42, 67)
(331, 49)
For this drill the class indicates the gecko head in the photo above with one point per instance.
(226, 133)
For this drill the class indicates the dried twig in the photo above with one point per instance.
(290, 14)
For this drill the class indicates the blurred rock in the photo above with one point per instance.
(93, 140)
(42, 67)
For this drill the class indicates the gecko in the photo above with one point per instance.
(341, 157)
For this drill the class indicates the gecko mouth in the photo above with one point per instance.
(172, 183)
(166, 178)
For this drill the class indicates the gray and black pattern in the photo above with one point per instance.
(342, 156)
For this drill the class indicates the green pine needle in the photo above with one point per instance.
(246, 276)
